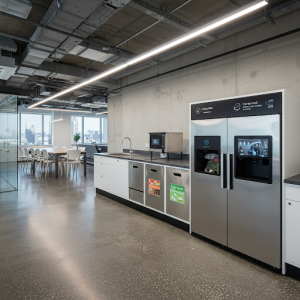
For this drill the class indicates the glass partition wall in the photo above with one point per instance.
(8, 143)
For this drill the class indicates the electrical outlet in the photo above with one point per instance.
(147, 145)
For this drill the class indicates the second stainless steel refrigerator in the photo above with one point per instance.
(235, 174)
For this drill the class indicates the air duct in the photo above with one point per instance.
(7, 67)
(19, 8)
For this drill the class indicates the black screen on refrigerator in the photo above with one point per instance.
(253, 147)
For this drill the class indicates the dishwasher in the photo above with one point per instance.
(136, 182)
(154, 187)
(177, 185)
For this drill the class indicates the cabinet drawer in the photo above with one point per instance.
(103, 183)
(292, 193)
(103, 169)
(107, 160)
(292, 211)
(121, 162)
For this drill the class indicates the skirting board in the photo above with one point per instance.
(146, 210)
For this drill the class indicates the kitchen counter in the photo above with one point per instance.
(293, 180)
(146, 159)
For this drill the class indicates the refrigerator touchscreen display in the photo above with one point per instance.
(253, 147)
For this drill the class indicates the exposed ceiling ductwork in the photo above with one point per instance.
(204, 42)
(71, 37)
(19, 8)
(7, 63)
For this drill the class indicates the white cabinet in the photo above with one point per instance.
(103, 174)
(292, 225)
(104, 183)
(121, 185)
(111, 175)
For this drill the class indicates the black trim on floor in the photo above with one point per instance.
(146, 210)
(239, 254)
(292, 271)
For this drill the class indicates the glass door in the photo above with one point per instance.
(8, 143)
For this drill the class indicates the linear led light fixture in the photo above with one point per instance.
(184, 38)
(102, 113)
(57, 120)
(58, 109)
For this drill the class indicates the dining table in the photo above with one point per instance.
(56, 152)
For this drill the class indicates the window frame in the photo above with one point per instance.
(39, 114)
(82, 128)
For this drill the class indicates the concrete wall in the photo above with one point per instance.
(162, 104)
(62, 129)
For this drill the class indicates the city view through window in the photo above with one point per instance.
(91, 130)
(35, 129)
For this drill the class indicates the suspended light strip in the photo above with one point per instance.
(56, 120)
(203, 29)
(102, 113)
(57, 109)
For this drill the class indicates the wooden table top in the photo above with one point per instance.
(57, 150)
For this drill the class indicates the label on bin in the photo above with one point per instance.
(154, 187)
(177, 193)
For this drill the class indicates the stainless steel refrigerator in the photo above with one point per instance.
(235, 174)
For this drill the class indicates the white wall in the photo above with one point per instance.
(162, 104)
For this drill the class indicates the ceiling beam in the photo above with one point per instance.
(236, 27)
(80, 73)
(234, 3)
(89, 25)
(103, 46)
(163, 16)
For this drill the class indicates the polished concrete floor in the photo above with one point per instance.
(59, 240)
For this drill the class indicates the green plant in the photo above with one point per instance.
(76, 137)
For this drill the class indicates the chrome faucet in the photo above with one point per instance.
(129, 141)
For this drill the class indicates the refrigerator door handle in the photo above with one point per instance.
(230, 177)
(224, 171)
(230, 171)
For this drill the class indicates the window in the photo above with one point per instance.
(91, 129)
(47, 130)
(35, 129)
(76, 124)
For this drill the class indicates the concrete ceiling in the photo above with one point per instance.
(118, 26)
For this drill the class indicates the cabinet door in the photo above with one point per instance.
(121, 186)
(292, 211)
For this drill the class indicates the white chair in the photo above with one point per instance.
(20, 156)
(46, 161)
(73, 158)
(38, 159)
(27, 157)
(82, 156)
